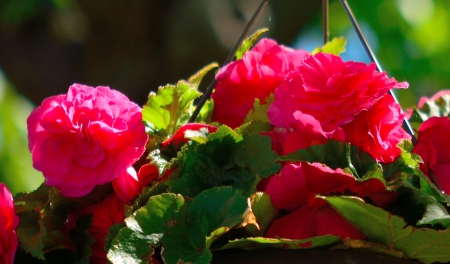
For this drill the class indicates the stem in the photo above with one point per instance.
(325, 19)
(230, 57)
(372, 57)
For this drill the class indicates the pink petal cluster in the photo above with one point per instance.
(85, 138)
(331, 90)
(433, 145)
(378, 130)
(8, 225)
(325, 94)
(256, 75)
(295, 190)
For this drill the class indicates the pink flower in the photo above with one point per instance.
(433, 145)
(304, 132)
(295, 190)
(149, 173)
(8, 225)
(256, 75)
(85, 138)
(378, 131)
(127, 185)
(104, 215)
(436, 96)
(179, 136)
(130, 184)
(423, 100)
(330, 90)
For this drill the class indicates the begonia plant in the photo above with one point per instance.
(294, 150)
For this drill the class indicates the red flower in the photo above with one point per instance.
(148, 174)
(295, 190)
(256, 75)
(127, 185)
(180, 135)
(408, 112)
(436, 96)
(330, 90)
(378, 131)
(104, 215)
(304, 132)
(433, 145)
(85, 138)
(8, 225)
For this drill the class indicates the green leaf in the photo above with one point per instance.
(217, 210)
(264, 211)
(254, 127)
(30, 233)
(248, 42)
(129, 247)
(42, 219)
(336, 154)
(113, 231)
(205, 115)
(379, 226)
(253, 243)
(169, 108)
(184, 229)
(197, 78)
(426, 245)
(226, 159)
(336, 46)
(259, 111)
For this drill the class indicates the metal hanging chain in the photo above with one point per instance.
(229, 58)
(372, 57)
(325, 19)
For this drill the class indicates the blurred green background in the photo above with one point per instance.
(136, 46)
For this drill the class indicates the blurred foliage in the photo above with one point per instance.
(15, 160)
(410, 39)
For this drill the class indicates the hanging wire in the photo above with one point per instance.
(325, 19)
(372, 57)
(229, 58)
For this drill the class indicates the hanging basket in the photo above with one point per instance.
(288, 156)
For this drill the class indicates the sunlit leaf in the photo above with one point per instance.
(248, 42)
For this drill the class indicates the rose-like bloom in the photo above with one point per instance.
(295, 190)
(433, 145)
(379, 130)
(330, 90)
(256, 75)
(8, 225)
(104, 215)
(85, 138)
